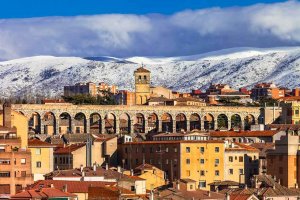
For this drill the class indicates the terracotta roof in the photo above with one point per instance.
(240, 196)
(142, 69)
(72, 186)
(42, 193)
(89, 172)
(172, 193)
(283, 127)
(187, 180)
(225, 183)
(241, 147)
(268, 133)
(292, 98)
(39, 143)
(185, 99)
(174, 142)
(159, 99)
(263, 147)
(69, 148)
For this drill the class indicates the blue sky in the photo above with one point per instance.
(127, 28)
(42, 8)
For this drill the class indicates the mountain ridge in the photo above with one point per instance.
(239, 67)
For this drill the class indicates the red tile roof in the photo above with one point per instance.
(69, 149)
(268, 133)
(240, 196)
(242, 147)
(72, 186)
(174, 142)
(42, 193)
(39, 143)
(142, 69)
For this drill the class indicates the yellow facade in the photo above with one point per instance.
(20, 122)
(142, 85)
(44, 156)
(202, 162)
(154, 178)
(295, 112)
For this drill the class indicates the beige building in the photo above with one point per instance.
(41, 158)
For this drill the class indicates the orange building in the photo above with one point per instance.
(266, 90)
(284, 161)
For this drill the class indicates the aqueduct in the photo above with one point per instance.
(56, 119)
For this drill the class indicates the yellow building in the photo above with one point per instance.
(154, 176)
(41, 158)
(202, 161)
(142, 85)
(17, 120)
(290, 110)
(241, 162)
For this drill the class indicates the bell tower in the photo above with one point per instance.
(142, 85)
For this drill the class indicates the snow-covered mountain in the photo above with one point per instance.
(47, 75)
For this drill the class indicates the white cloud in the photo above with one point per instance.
(184, 33)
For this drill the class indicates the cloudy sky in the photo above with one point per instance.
(182, 30)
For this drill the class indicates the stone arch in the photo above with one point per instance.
(195, 121)
(139, 123)
(236, 122)
(181, 122)
(65, 123)
(34, 123)
(80, 123)
(167, 122)
(153, 123)
(249, 120)
(49, 123)
(222, 122)
(125, 125)
(110, 123)
(209, 121)
(95, 123)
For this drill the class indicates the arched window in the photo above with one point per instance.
(145, 77)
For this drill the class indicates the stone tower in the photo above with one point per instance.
(142, 85)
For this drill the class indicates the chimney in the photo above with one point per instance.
(209, 194)
(65, 188)
(83, 174)
(52, 186)
(217, 189)
(151, 197)
(246, 186)
(177, 185)
(119, 169)
(106, 166)
(7, 115)
(227, 196)
(278, 181)
(94, 167)
(81, 168)
(296, 185)
(131, 172)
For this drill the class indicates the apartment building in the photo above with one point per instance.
(266, 90)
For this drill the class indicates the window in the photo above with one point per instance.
(230, 159)
(132, 188)
(126, 150)
(217, 149)
(4, 161)
(201, 149)
(167, 161)
(38, 164)
(23, 160)
(23, 173)
(151, 150)
(202, 184)
(175, 149)
(296, 112)
(241, 159)
(137, 150)
(241, 171)
(77, 129)
(188, 172)
(202, 161)
(188, 149)
(191, 186)
(167, 149)
(151, 161)
(38, 151)
(188, 161)
(217, 172)
(137, 161)
(4, 174)
(230, 171)
(217, 161)
(202, 173)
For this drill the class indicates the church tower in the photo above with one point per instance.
(142, 85)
